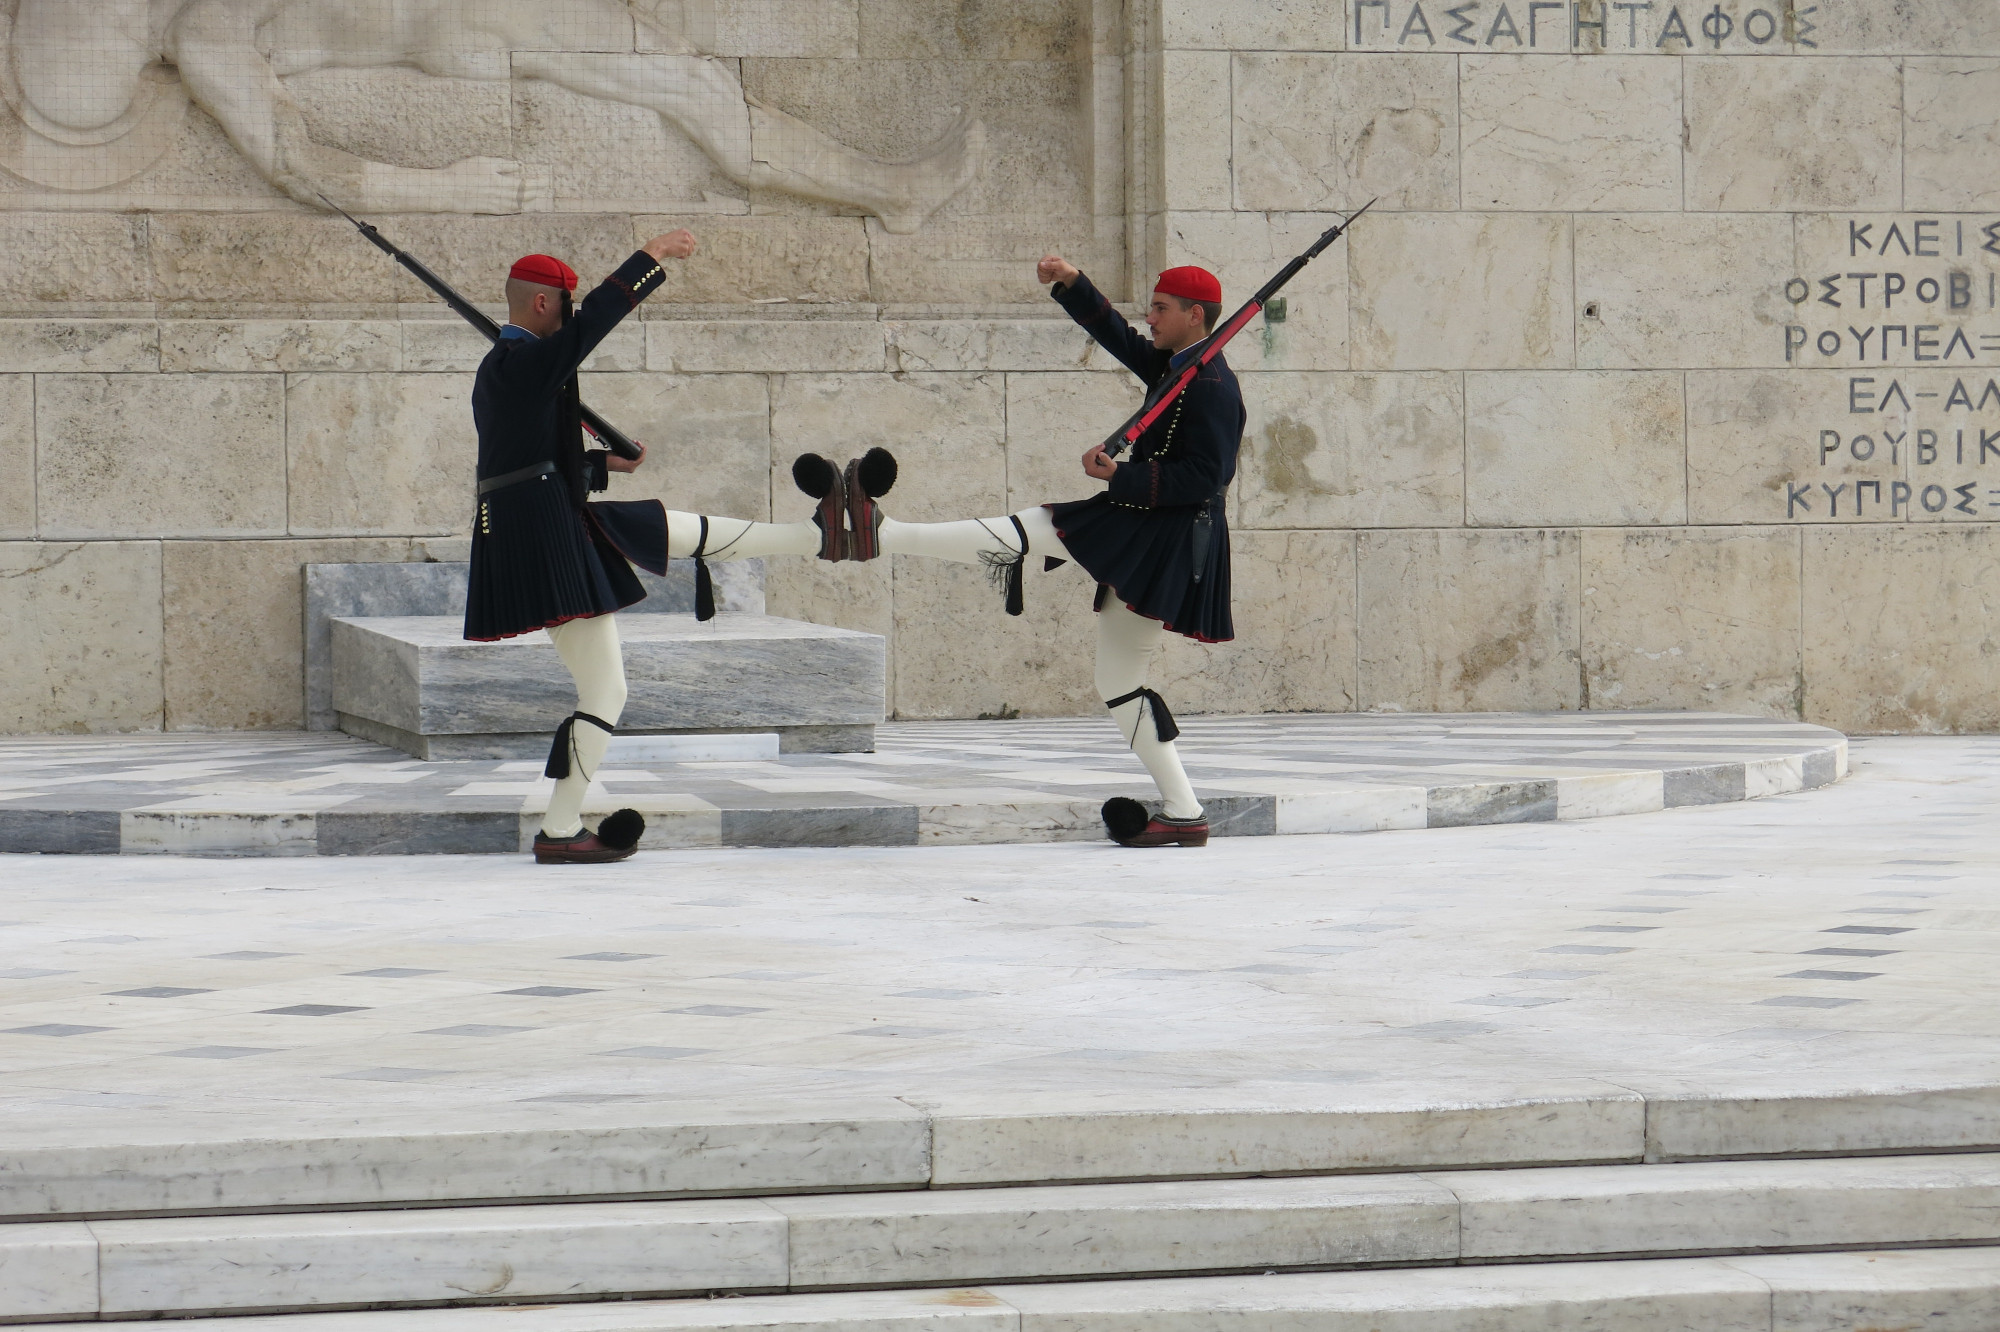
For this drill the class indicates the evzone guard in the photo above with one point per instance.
(546, 556)
(1156, 538)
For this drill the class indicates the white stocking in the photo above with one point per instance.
(737, 539)
(967, 542)
(1126, 642)
(590, 649)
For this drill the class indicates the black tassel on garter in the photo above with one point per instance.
(704, 585)
(559, 752)
(1164, 724)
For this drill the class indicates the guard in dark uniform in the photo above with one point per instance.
(1156, 539)
(544, 555)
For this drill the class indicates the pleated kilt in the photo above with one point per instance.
(1146, 557)
(539, 561)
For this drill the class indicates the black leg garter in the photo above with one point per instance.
(561, 751)
(1164, 725)
(704, 585)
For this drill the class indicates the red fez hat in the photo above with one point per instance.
(1191, 284)
(544, 270)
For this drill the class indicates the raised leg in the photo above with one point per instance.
(987, 541)
(737, 538)
(591, 651)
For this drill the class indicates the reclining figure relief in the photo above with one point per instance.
(89, 90)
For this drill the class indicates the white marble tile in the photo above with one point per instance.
(1608, 794)
(312, 1259)
(47, 1271)
(998, 1234)
(1351, 809)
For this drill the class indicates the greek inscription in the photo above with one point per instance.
(1593, 25)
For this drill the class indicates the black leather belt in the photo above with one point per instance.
(491, 484)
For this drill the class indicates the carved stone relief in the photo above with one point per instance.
(99, 98)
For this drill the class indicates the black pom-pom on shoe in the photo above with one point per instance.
(877, 473)
(815, 475)
(1125, 817)
(622, 830)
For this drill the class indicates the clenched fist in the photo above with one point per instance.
(674, 245)
(1055, 269)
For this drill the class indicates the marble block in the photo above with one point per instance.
(1939, 1290)
(1344, 450)
(47, 1271)
(1577, 446)
(1783, 135)
(1693, 617)
(1948, 119)
(412, 680)
(1482, 621)
(1112, 1229)
(1576, 133)
(1661, 1209)
(17, 455)
(350, 590)
(1763, 1119)
(1127, 1135)
(1320, 131)
(359, 1258)
(1461, 291)
(1534, 1297)
(83, 650)
(491, 1153)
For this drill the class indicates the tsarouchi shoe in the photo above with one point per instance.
(868, 478)
(615, 839)
(1129, 825)
(821, 480)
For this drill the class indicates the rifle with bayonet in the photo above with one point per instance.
(1142, 420)
(609, 435)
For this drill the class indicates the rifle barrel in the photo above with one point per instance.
(614, 439)
(1137, 424)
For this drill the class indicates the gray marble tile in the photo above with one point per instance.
(1494, 802)
(1711, 785)
(59, 832)
(822, 825)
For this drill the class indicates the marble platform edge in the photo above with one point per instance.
(1940, 1290)
(63, 825)
(334, 591)
(516, 1153)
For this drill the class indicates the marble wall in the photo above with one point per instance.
(1665, 374)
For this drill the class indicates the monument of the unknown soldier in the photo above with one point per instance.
(480, 853)
(1662, 376)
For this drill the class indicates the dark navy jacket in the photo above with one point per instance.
(1141, 537)
(541, 555)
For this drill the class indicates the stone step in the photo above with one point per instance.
(413, 682)
(536, 1153)
(1936, 1290)
(420, 1257)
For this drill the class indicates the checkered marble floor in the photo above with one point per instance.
(1841, 937)
(927, 783)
